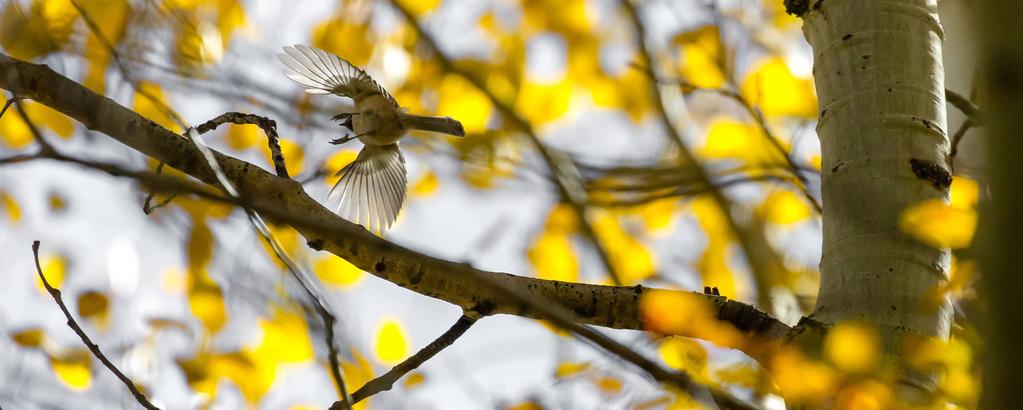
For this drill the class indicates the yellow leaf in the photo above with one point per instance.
(569, 369)
(59, 123)
(541, 103)
(865, 395)
(199, 246)
(553, 257)
(685, 314)
(741, 375)
(799, 379)
(459, 99)
(334, 164)
(773, 87)
(686, 355)
(44, 28)
(961, 385)
(391, 341)
(73, 369)
(197, 44)
(285, 339)
(629, 91)
(57, 202)
(11, 206)
(702, 57)
(54, 268)
(357, 373)
(853, 348)
(114, 17)
(527, 405)
(346, 38)
(207, 304)
(608, 385)
(780, 19)
(658, 215)
(93, 303)
(414, 379)
(713, 264)
(241, 137)
(631, 259)
(729, 139)
(964, 192)
(938, 224)
(426, 185)
(785, 207)
(336, 271)
(150, 102)
(16, 133)
(31, 338)
(293, 154)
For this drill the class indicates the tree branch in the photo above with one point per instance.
(283, 200)
(55, 293)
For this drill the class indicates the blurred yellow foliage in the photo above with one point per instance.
(459, 99)
(540, 103)
(713, 264)
(852, 347)
(11, 207)
(94, 305)
(294, 155)
(30, 338)
(73, 369)
(241, 137)
(607, 384)
(785, 207)
(552, 256)
(685, 314)
(42, 29)
(335, 163)
(336, 271)
(16, 134)
(426, 185)
(391, 341)
(112, 19)
(569, 369)
(356, 374)
(730, 139)
(772, 87)
(800, 379)
(414, 379)
(346, 37)
(150, 102)
(938, 224)
(686, 355)
(702, 57)
(631, 259)
(54, 268)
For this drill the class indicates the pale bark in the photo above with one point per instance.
(1002, 220)
(879, 78)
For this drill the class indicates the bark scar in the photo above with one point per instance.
(928, 170)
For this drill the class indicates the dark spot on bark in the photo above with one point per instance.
(416, 277)
(824, 112)
(590, 309)
(866, 57)
(818, 5)
(797, 7)
(836, 167)
(638, 289)
(839, 72)
(316, 244)
(863, 67)
(847, 37)
(889, 90)
(380, 267)
(894, 308)
(939, 178)
(891, 269)
(484, 308)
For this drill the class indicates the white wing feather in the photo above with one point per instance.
(372, 188)
(322, 73)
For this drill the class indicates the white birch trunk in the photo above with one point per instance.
(879, 77)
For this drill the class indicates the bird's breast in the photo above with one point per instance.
(377, 121)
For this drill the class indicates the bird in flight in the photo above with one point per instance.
(372, 188)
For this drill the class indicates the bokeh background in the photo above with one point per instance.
(191, 304)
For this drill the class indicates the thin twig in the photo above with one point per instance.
(971, 110)
(268, 126)
(304, 279)
(55, 293)
(387, 380)
(564, 172)
(147, 206)
(7, 104)
(959, 136)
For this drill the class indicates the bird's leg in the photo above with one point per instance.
(347, 138)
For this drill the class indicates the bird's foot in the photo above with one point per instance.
(342, 140)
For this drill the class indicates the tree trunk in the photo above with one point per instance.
(1001, 218)
(879, 78)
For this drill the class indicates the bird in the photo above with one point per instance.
(371, 189)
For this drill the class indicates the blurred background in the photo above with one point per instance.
(188, 301)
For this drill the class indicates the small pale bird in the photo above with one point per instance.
(372, 188)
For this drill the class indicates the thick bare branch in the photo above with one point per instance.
(283, 200)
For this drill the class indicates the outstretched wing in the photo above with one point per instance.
(372, 188)
(322, 73)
